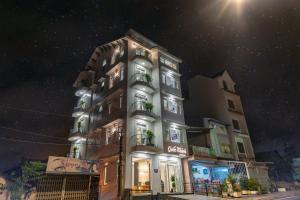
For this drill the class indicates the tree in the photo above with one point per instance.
(25, 179)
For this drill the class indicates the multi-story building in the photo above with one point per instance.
(218, 130)
(130, 117)
(215, 97)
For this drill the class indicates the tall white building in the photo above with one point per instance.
(129, 116)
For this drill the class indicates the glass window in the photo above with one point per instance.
(225, 148)
(225, 87)
(241, 147)
(141, 130)
(105, 177)
(109, 107)
(141, 174)
(236, 124)
(121, 100)
(170, 176)
(168, 63)
(104, 63)
(170, 105)
(230, 103)
(174, 135)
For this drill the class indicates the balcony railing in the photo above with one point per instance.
(142, 82)
(142, 140)
(142, 106)
(203, 151)
(144, 53)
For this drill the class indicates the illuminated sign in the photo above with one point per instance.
(72, 165)
(176, 149)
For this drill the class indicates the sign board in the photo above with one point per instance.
(72, 165)
(177, 149)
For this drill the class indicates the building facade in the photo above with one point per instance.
(218, 135)
(215, 97)
(130, 116)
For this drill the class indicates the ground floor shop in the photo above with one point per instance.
(206, 176)
(155, 173)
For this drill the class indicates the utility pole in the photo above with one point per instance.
(120, 181)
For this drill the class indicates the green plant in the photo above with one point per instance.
(253, 185)
(212, 152)
(148, 78)
(150, 135)
(26, 179)
(244, 183)
(224, 187)
(148, 106)
(172, 178)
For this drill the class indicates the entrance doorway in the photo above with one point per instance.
(170, 175)
(141, 174)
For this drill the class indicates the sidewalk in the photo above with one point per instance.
(275, 195)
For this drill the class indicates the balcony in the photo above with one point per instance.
(200, 152)
(82, 91)
(143, 142)
(143, 110)
(234, 110)
(142, 57)
(142, 82)
(75, 135)
(80, 111)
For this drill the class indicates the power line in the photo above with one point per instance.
(35, 142)
(35, 111)
(47, 143)
(31, 133)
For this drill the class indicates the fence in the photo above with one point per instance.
(68, 187)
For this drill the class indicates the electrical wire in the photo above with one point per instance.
(36, 111)
(30, 132)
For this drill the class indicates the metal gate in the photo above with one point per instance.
(68, 187)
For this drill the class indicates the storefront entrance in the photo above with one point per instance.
(207, 176)
(141, 174)
(170, 175)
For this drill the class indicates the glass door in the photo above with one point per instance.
(141, 174)
(141, 130)
(170, 175)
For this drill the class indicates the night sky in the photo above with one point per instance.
(44, 46)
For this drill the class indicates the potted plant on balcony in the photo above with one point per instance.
(150, 136)
(148, 106)
(148, 78)
(173, 184)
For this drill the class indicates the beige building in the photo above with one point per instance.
(215, 97)
(218, 136)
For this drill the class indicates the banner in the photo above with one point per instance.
(72, 165)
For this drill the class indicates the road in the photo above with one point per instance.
(291, 195)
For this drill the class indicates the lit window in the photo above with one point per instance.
(168, 63)
(236, 124)
(174, 135)
(100, 108)
(241, 147)
(141, 173)
(109, 108)
(225, 148)
(104, 63)
(170, 105)
(105, 177)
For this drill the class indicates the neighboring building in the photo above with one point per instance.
(215, 115)
(215, 97)
(130, 117)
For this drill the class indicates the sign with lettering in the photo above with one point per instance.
(176, 149)
(72, 165)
